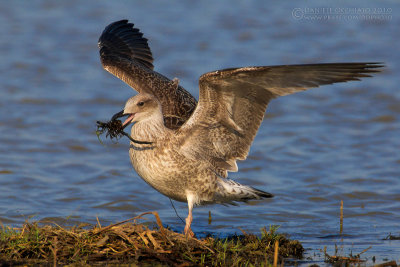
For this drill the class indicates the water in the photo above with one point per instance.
(313, 150)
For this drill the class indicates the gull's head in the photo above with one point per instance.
(141, 107)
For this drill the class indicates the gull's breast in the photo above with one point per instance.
(161, 167)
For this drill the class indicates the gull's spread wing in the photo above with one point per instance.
(124, 52)
(232, 104)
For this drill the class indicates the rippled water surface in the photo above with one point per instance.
(313, 149)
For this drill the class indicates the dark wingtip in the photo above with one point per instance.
(262, 194)
(374, 66)
(120, 38)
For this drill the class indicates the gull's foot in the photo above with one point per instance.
(189, 232)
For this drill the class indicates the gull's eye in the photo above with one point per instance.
(140, 104)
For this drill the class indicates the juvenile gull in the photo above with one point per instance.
(188, 148)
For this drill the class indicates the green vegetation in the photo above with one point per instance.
(129, 242)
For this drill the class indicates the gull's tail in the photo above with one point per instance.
(230, 191)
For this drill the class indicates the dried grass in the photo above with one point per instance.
(129, 242)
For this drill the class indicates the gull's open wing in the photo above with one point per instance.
(232, 104)
(124, 52)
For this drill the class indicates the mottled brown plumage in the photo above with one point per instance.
(193, 147)
(232, 104)
(125, 53)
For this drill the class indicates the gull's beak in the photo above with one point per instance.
(121, 114)
(118, 115)
(128, 120)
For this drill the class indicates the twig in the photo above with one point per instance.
(341, 216)
(276, 253)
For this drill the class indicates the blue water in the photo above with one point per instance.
(313, 149)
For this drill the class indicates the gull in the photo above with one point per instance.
(186, 148)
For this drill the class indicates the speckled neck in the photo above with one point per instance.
(150, 129)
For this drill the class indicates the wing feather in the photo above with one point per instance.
(125, 53)
(232, 104)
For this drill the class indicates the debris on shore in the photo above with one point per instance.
(130, 242)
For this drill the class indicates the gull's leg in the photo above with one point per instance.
(188, 231)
